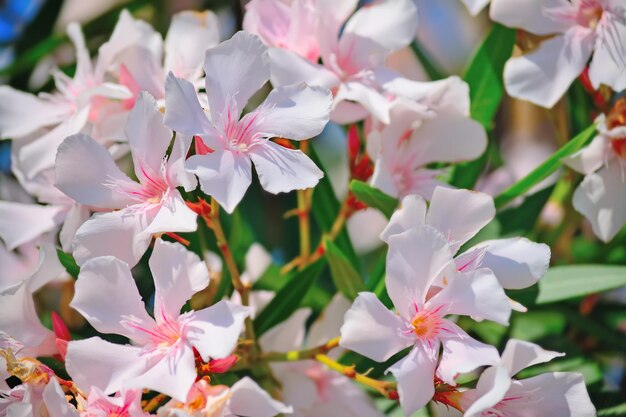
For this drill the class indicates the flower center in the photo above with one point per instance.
(426, 324)
(617, 118)
(589, 13)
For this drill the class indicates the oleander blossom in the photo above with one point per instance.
(601, 196)
(425, 287)
(86, 172)
(577, 30)
(226, 143)
(162, 355)
(497, 394)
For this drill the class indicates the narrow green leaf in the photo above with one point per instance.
(433, 70)
(345, 277)
(289, 297)
(590, 370)
(615, 411)
(545, 169)
(484, 74)
(574, 281)
(373, 197)
(68, 263)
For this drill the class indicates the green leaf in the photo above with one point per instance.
(432, 69)
(574, 281)
(345, 277)
(325, 208)
(289, 297)
(68, 263)
(616, 411)
(546, 168)
(590, 370)
(373, 197)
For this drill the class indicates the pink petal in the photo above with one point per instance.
(183, 112)
(22, 114)
(249, 399)
(21, 223)
(412, 213)
(492, 387)
(173, 215)
(519, 354)
(590, 158)
(287, 335)
(529, 15)
(288, 68)
(56, 404)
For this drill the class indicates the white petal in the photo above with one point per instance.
(477, 293)
(56, 404)
(257, 261)
(216, 329)
(371, 330)
(287, 335)
(178, 274)
(222, 174)
(591, 157)
(529, 15)
(412, 213)
(183, 112)
(22, 114)
(516, 262)
(107, 296)
(235, 69)
(328, 324)
(415, 374)
(519, 354)
(462, 354)
(282, 170)
(544, 75)
(173, 216)
(248, 399)
(608, 65)
(119, 233)
(375, 103)
(601, 198)
(492, 386)
(475, 6)
(86, 172)
(416, 258)
(294, 112)
(21, 223)
(288, 68)
(459, 214)
(74, 218)
(190, 34)
(147, 136)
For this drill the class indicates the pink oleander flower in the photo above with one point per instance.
(308, 386)
(227, 144)
(124, 404)
(36, 399)
(86, 172)
(161, 357)
(429, 123)
(459, 215)
(551, 394)
(581, 28)
(425, 286)
(289, 24)
(601, 196)
(244, 398)
(353, 47)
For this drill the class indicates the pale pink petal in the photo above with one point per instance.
(147, 136)
(328, 324)
(412, 213)
(416, 258)
(235, 69)
(173, 216)
(84, 69)
(86, 172)
(544, 75)
(248, 399)
(282, 170)
(347, 112)
(172, 373)
(183, 112)
(56, 404)
(189, 35)
(287, 335)
(601, 198)
(333, 14)
(119, 233)
(269, 20)
(519, 354)
(107, 296)
(22, 114)
(517, 262)
(216, 329)
(299, 391)
(375, 103)
(222, 174)
(371, 330)
(294, 112)
(21, 223)
(462, 354)
(475, 6)
(554, 393)
(74, 218)
(176, 164)
(449, 94)
(415, 374)
(49, 267)
(257, 261)
(608, 65)
(459, 214)
(492, 387)
(591, 157)
(477, 293)
(288, 68)
(530, 15)
(178, 274)
(96, 362)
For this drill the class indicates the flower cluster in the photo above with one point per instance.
(130, 183)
